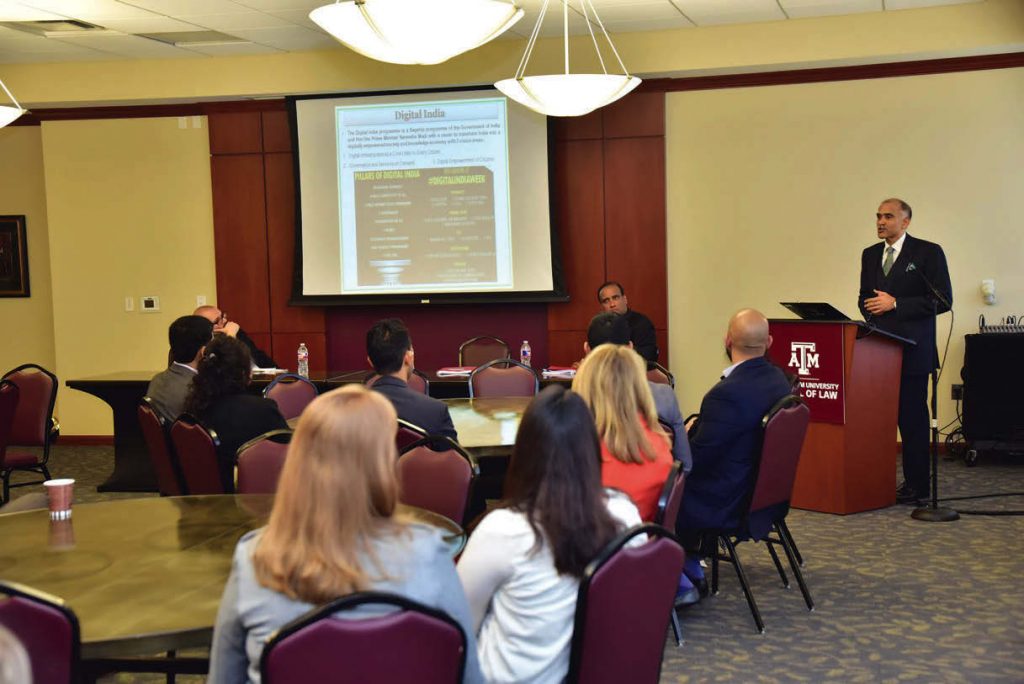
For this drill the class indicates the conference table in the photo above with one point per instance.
(144, 576)
(487, 429)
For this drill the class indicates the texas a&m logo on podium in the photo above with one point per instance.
(814, 354)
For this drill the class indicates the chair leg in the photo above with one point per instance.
(677, 630)
(742, 575)
(714, 571)
(171, 655)
(793, 563)
(778, 565)
(7, 487)
(45, 471)
(784, 532)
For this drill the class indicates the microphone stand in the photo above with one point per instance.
(932, 512)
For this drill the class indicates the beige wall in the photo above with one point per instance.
(27, 322)
(130, 210)
(772, 193)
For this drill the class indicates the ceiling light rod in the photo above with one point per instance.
(520, 72)
(8, 113)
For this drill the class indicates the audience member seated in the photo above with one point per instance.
(221, 324)
(522, 565)
(611, 328)
(219, 401)
(726, 437)
(168, 389)
(333, 531)
(389, 351)
(635, 451)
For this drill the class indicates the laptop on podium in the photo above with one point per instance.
(816, 311)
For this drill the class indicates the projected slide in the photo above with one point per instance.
(423, 196)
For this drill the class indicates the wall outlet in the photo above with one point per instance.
(149, 304)
(956, 392)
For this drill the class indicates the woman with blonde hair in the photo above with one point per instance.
(333, 531)
(635, 451)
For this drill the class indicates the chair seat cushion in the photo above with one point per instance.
(20, 459)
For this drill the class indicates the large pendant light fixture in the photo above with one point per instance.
(415, 31)
(7, 112)
(568, 94)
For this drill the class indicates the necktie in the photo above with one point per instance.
(887, 264)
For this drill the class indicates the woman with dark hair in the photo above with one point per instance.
(219, 401)
(522, 565)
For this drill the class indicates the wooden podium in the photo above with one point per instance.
(850, 378)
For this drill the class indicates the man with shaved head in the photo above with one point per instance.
(223, 326)
(726, 438)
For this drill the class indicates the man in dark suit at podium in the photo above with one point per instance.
(896, 281)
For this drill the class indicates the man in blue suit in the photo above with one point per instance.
(895, 295)
(389, 351)
(726, 437)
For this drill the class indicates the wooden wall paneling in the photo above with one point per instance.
(663, 357)
(281, 250)
(235, 133)
(286, 344)
(277, 132)
(240, 240)
(634, 181)
(565, 346)
(580, 201)
(587, 127)
(637, 114)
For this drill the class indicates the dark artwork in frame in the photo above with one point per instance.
(13, 257)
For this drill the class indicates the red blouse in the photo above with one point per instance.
(641, 481)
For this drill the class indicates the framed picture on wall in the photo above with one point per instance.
(13, 257)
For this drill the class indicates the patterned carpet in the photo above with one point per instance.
(897, 600)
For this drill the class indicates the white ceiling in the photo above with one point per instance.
(268, 26)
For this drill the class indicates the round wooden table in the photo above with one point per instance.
(487, 425)
(143, 575)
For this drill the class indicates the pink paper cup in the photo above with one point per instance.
(60, 493)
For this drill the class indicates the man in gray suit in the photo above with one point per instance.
(188, 336)
(611, 328)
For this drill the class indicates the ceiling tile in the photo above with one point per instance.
(154, 23)
(630, 26)
(179, 8)
(41, 45)
(12, 11)
(640, 11)
(710, 12)
(132, 47)
(910, 4)
(89, 10)
(238, 20)
(283, 5)
(797, 9)
(298, 17)
(232, 50)
(290, 38)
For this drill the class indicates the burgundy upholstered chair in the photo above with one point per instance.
(46, 628)
(669, 500)
(196, 449)
(33, 424)
(8, 407)
(503, 378)
(634, 586)
(260, 461)
(437, 474)
(161, 454)
(292, 393)
(418, 381)
(785, 427)
(660, 374)
(479, 350)
(409, 643)
(407, 434)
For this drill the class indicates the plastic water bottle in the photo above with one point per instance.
(303, 358)
(525, 353)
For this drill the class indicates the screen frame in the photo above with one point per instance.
(557, 293)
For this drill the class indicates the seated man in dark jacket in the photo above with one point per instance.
(188, 336)
(726, 438)
(389, 351)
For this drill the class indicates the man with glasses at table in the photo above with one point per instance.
(612, 297)
(221, 324)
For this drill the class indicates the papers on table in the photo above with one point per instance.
(269, 371)
(455, 371)
(563, 372)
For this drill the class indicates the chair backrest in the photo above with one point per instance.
(46, 628)
(503, 378)
(292, 393)
(8, 407)
(407, 434)
(196, 449)
(437, 474)
(658, 373)
(785, 427)
(479, 350)
(161, 454)
(671, 497)
(260, 461)
(418, 381)
(33, 421)
(414, 643)
(622, 609)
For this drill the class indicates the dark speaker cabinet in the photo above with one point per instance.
(993, 374)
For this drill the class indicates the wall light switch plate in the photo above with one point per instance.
(129, 303)
(200, 300)
(149, 304)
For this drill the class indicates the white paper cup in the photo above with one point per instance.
(60, 493)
